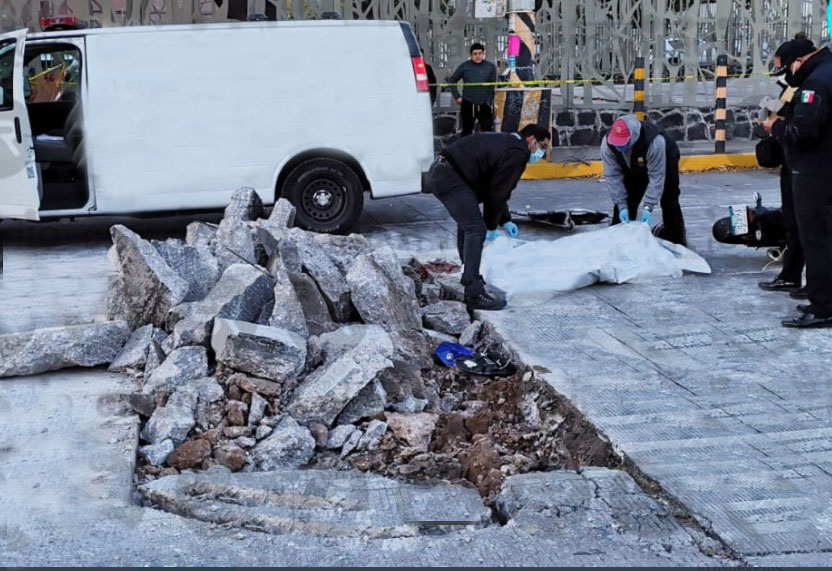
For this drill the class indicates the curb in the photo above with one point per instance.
(688, 164)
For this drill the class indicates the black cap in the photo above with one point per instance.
(790, 51)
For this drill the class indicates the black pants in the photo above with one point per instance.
(793, 260)
(471, 113)
(813, 206)
(460, 200)
(672, 219)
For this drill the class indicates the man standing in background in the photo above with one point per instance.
(475, 100)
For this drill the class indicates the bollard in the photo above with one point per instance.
(638, 89)
(721, 107)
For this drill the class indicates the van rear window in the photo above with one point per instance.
(412, 44)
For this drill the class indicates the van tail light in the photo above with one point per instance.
(421, 74)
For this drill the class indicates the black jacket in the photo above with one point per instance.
(491, 164)
(806, 132)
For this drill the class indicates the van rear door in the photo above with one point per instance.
(18, 172)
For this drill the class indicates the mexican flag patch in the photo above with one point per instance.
(807, 96)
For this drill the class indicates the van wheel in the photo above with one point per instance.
(327, 193)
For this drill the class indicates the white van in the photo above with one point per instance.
(174, 118)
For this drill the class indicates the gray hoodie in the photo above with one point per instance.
(470, 72)
(656, 167)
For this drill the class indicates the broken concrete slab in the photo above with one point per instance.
(339, 435)
(343, 250)
(372, 435)
(414, 430)
(240, 294)
(287, 312)
(151, 286)
(235, 244)
(381, 293)
(290, 445)
(181, 367)
(369, 402)
(173, 421)
(55, 348)
(266, 352)
(326, 274)
(114, 307)
(313, 304)
(201, 234)
(351, 443)
(194, 264)
(283, 214)
(325, 393)
(413, 346)
(319, 503)
(156, 454)
(449, 317)
(471, 334)
(245, 204)
(133, 356)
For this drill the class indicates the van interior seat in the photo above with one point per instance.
(61, 146)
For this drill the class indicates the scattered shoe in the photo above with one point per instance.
(778, 284)
(808, 321)
(802, 293)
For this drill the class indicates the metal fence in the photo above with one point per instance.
(586, 47)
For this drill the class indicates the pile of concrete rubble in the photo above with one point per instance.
(257, 342)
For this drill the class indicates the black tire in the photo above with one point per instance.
(327, 193)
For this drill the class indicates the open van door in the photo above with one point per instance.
(19, 196)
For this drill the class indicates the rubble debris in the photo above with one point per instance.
(240, 294)
(327, 276)
(313, 304)
(245, 204)
(325, 393)
(257, 409)
(55, 348)
(287, 312)
(266, 352)
(133, 356)
(196, 265)
(283, 214)
(235, 244)
(372, 436)
(289, 445)
(173, 421)
(320, 433)
(151, 287)
(471, 334)
(181, 366)
(351, 443)
(200, 234)
(370, 401)
(381, 293)
(231, 456)
(449, 317)
(190, 454)
(156, 454)
(414, 430)
(339, 435)
(254, 385)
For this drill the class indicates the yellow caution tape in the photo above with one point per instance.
(556, 82)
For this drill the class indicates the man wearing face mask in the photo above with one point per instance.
(641, 162)
(806, 136)
(483, 169)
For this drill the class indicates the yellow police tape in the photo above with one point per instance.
(556, 82)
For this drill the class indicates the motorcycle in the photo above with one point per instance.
(753, 226)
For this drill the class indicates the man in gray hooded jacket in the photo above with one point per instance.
(642, 162)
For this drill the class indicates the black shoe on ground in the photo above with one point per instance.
(808, 321)
(802, 293)
(778, 284)
(483, 300)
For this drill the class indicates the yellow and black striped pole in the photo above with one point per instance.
(638, 89)
(721, 100)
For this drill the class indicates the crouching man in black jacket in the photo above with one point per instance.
(806, 136)
(483, 169)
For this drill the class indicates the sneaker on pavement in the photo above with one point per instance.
(485, 301)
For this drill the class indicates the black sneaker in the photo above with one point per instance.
(778, 284)
(802, 293)
(485, 301)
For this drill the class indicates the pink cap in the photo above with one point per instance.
(620, 134)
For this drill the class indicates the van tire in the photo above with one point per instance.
(327, 194)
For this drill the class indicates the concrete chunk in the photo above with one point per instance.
(288, 446)
(369, 402)
(194, 264)
(315, 311)
(267, 352)
(240, 294)
(245, 204)
(180, 368)
(382, 294)
(151, 287)
(200, 234)
(339, 435)
(133, 356)
(283, 214)
(372, 436)
(287, 312)
(415, 430)
(325, 393)
(449, 317)
(57, 348)
(171, 422)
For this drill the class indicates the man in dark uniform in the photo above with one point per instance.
(791, 275)
(483, 169)
(641, 162)
(806, 137)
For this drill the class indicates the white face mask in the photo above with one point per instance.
(536, 156)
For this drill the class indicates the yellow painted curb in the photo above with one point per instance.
(688, 164)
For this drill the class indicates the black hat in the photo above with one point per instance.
(790, 51)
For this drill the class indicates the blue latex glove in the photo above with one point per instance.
(646, 216)
(491, 235)
(624, 214)
(512, 229)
